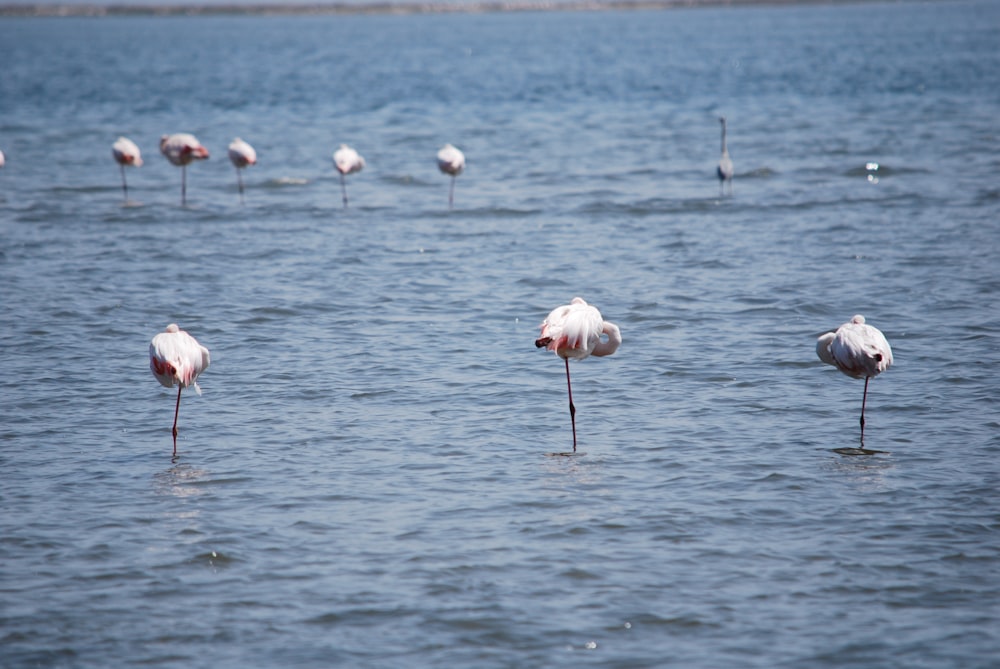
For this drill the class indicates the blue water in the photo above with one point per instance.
(364, 482)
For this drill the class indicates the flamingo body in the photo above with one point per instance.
(725, 168)
(181, 150)
(575, 330)
(242, 155)
(176, 358)
(451, 161)
(126, 154)
(347, 160)
(3, 160)
(858, 350)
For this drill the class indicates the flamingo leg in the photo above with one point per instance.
(451, 194)
(864, 398)
(343, 189)
(177, 410)
(239, 181)
(572, 409)
(124, 185)
(184, 185)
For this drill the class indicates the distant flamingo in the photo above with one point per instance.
(242, 155)
(182, 149)
(175, 357)
(725, 168)
(3, 160)
(858, 350)
(347, 161)
(451, 161)
(126, 153)
(574, 331)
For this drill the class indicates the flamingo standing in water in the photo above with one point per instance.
(242, 156)
(175, 357)
(858, 350)
(347, 161)
(725, 168)
(574, 331)
(451, 161)
(3, 160)
(126, 154)
(182, 149)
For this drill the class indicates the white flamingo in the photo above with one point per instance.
(347, 161)
(126, 154)
(242, 156)
(725, 168)
(176, 358)
(451, 161)
(181, 150)
(575, 331)
(858, 350)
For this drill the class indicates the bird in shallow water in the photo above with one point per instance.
(859, 350)
(577, 330)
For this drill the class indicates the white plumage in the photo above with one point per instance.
(451, 161)
(577, 330)
(347, 161)
(242, 155)
(126, 154)
(176, 358)
(182, 149)
(859, 350)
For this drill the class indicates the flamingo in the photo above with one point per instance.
(347, 161)
(858, 350)
(574, 331)
(725, 168)
(242, 155)
(3, 161)
(175, 357)
(182, 149)
(451, 161)
(126, 153)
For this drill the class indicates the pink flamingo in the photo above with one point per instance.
(242, 156)
(175, 357)
(574, 331)
(347, 161)
(858, 350)
(182, 149)
(451, 161)
(126, 154)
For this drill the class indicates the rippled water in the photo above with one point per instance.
(364, 481)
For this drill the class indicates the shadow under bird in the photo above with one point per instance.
(176, 358)
(126, 154)
(242, 155)
(858, 350)
(575, 330)
(181, 150)
(725, 167)
(451, 161)
(347, 161)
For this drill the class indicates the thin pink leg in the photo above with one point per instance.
(451, 194)
(343, 189)
(572, 409)
(864, 398)
(177, 410)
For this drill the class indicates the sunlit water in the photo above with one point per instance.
(364, 481)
